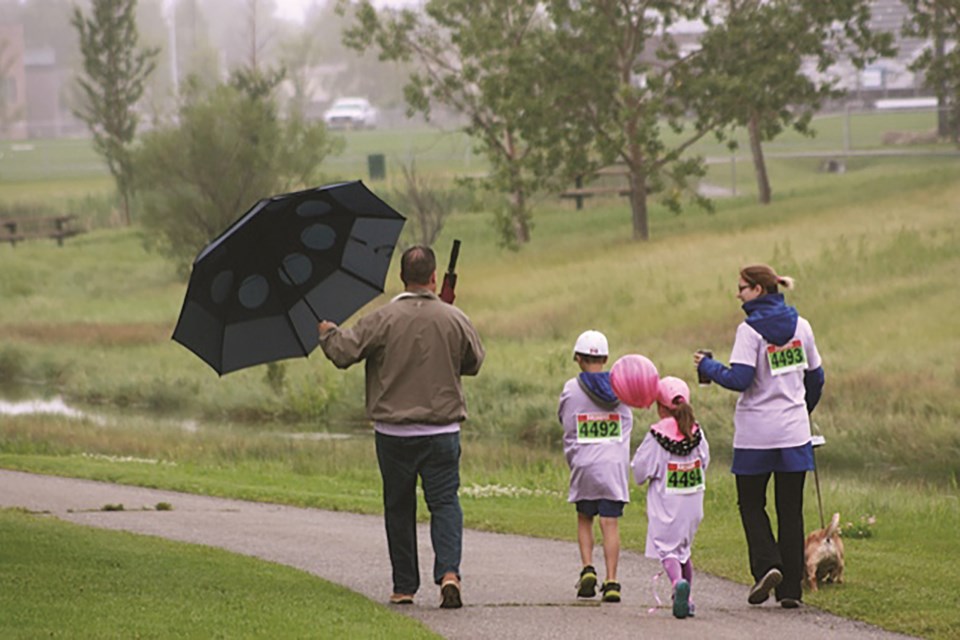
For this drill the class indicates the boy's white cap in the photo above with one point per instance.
(591, 343)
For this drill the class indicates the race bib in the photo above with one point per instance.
(598, 427)
(685, 477)
(789, 357)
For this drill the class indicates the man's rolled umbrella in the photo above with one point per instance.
(447, 291)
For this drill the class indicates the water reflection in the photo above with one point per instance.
(56, 406)
(53, 406)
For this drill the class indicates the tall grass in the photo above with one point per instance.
(874, 254)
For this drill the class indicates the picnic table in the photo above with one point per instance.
(580, 192)
(14, 230)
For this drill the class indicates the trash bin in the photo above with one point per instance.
(376, 166)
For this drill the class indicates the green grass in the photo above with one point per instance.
(66, 581)
(899, 578)
(27, 168)
(874, 254)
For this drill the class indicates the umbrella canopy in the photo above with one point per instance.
(257, 291)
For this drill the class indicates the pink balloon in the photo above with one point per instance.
(635, 380)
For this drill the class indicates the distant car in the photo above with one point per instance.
(351, 113)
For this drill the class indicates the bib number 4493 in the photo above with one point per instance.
(789, 357)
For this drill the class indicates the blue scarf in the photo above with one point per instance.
(598, 387)
(772, 318)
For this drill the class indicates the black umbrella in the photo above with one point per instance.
(257, 291)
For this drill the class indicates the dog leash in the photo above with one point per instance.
(817, 441)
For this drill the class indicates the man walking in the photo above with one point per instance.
(415, 349)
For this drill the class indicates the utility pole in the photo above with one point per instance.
(253, 34)
(174, 62)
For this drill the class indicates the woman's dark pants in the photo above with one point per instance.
(436, 460)
(786, 551)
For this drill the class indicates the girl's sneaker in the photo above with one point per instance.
(587, 584)
(681, 599)
(611, 591)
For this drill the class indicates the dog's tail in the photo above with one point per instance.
(834, 527)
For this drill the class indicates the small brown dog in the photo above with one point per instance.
(823, 555)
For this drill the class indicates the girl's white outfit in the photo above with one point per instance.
(674, 508)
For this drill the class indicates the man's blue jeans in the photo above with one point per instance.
(436, 460)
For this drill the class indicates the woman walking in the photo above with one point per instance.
(776, 368)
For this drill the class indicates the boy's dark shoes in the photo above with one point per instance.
(587, 584)
(611, 591)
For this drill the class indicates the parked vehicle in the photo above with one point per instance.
(351, 113)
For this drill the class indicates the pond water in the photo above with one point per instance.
(56, 406)
(53, 406)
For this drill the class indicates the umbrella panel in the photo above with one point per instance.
(256, 291)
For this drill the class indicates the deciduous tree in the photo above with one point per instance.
(628, 82)
(479, 59)
(754, 64)
(939, 22)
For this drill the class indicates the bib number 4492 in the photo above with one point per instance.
(598, 427)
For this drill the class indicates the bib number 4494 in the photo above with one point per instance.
(685, 477)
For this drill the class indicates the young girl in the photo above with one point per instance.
(673, 456)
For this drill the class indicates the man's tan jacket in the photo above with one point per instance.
(416, 347)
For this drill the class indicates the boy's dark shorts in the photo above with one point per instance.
(606, 508)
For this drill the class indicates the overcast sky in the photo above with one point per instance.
(294, 9)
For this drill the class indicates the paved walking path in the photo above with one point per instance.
(514, 586)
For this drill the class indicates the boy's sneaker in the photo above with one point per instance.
(790, 603)
(761, 591)
(587, 584)
(611, 591)
(682, 607)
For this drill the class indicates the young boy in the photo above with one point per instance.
(596, 442)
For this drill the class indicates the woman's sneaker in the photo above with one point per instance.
(761, 591)
(611, 591)
(587, 584)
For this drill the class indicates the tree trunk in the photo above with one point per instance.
(638, 206)
(125, 203)
(521, 227)
(943, 121)
(759, 164)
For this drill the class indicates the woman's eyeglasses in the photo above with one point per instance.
(741, 287)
